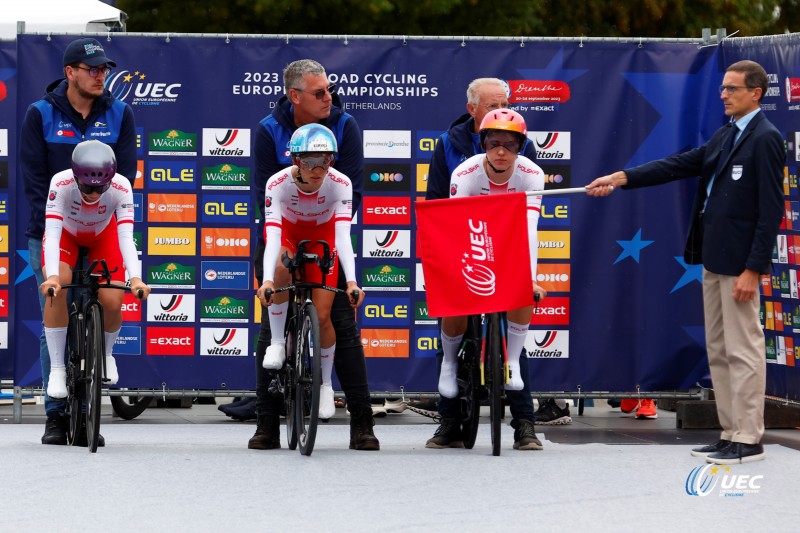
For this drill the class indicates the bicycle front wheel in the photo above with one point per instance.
(289, 377)
(93, 364)
(469, 381)
(75, 381)
(495, 378)
(309, 379)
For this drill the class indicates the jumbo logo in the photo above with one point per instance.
(171, 241)
(170, 341)
(422, 176)
(172, 175)
(554, 244)
(387, 210)
(386, 312)
(227, 242)
(219, 208)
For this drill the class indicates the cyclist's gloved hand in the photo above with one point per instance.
(51, 282)
(263, 295)
(353, 286)
(540, 291)
(138, 285)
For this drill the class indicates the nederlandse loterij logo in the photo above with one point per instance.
(172, 142)
(172, 275)
(702, 480)
(226, 177)
(481, 280)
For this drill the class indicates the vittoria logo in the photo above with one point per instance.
(547, 344)
(223, 341)
(387, 243)
(170, 308)
(226, 142)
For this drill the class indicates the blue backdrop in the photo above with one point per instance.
(623, 311)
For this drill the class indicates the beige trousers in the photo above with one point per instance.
(736, 357)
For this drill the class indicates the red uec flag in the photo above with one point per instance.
(475, 254)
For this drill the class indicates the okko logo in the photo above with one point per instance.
(702, 480)
(222, 142)
(387, 210)
(387, 144)
(479, 277)
(556, 176)
(547, 344)
(223, 341)
(387, 177)
(226, 242)
(148, 93)
(551, 144)
(170, 308)
(170, 341)
(387, 243)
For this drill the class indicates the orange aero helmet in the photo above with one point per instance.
(504, 120)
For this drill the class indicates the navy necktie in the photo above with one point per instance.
(727, 145)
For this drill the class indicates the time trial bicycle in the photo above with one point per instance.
(300, 378)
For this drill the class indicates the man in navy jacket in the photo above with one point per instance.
(737, 211)
(309, 98)
(74, 109)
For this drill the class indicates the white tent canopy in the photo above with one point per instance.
(59, 16)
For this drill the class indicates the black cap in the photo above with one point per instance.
(87, 51)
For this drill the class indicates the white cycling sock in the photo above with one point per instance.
(277, 321)
(111, 338)
(326, 356)
(517, 333)
(56, 344)
(448, 386)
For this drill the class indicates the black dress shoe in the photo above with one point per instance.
(711, 448)
(737, 452)
(55, 430)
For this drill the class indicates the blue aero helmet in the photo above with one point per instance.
(312, 138)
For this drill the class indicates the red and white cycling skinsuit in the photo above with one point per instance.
(291, 215)
(470, 179)
(104, 226)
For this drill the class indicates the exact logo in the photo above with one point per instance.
(387, 210)
(170, 341)
(553, 310)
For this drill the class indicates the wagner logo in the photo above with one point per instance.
(218, 142)
(225, 209)
(385, 278)
(387, 243)
(172, 175)
(224, 309)
(552, 311)
(172, 142)
(228, 342)
(387, 210)
(554, 277)
(227, 177)
(550, 144)
(538, 91)
(554, 244)
(387, 177)
(226, 242)
(421, 314)
(172, 208)
(171, 241)
(170, 308)
(131, 308)
(145, 92)
(547, 344)
(385, 342)
(170, 341)
(554, 212)
(172, 275)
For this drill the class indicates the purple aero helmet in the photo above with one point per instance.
(94, 165)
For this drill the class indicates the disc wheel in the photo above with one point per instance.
(309, 379)
(95, 357)
(495, 379)
(129, 407)
(469, 381)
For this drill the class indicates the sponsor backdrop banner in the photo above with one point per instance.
(8, 111)
(624, 311)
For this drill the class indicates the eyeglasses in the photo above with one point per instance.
(509, 146)
(320, 94)
(495, 107)
(730, 89)
(89, 189)
(312, 161)
(95, 71)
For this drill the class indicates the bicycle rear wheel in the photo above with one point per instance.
(469, 381)
(309, 379)
(289, 382)
(129, 407)
(93, 364)
(75, 381)
(495, 380)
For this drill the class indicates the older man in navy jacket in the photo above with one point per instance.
(736, 215)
